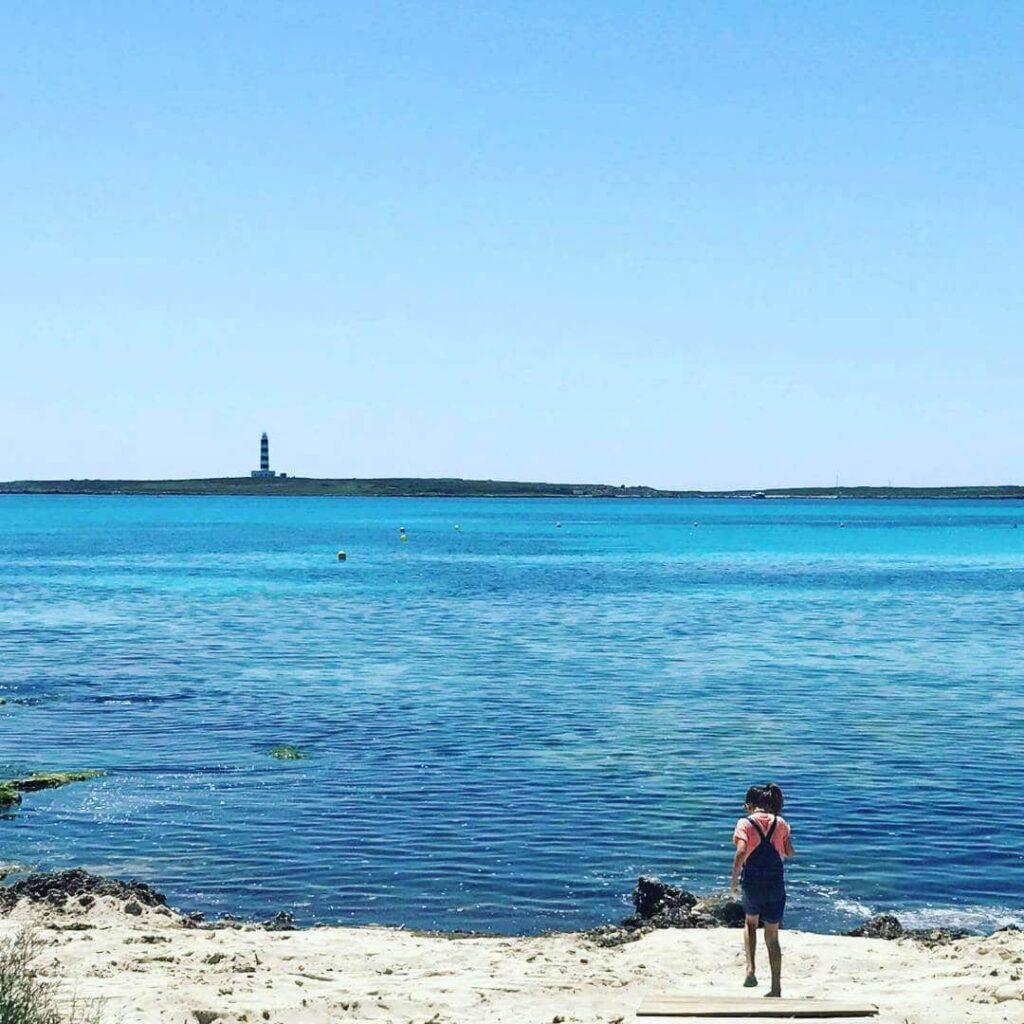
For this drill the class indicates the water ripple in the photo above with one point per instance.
(509, 723)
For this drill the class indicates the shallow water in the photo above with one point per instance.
(508, 723)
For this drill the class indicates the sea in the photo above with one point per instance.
(514, 712)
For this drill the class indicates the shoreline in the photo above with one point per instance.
(148, 964)
(657, 905)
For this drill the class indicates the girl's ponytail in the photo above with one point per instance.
(773, 798)
(765, 798)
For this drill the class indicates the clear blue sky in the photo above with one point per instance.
(685, 244)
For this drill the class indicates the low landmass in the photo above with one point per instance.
(453, 487)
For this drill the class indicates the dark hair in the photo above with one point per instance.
(765, 798)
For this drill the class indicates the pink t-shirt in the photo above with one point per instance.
(744, 830)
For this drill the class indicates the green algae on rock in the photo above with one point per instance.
(53, 780)
(11, 789)
(286, 752)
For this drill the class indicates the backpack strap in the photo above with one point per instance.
(771, 829)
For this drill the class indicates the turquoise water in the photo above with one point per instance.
(508, 723)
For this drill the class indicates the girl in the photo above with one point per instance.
(762, 840)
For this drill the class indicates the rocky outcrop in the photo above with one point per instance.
(932, 937)
(282, 921)
(660, 905)
(651, 896)
(881, 926)
(889, 927)
(721, 911)
(57, 887)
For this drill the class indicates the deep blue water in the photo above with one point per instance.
(508, 723)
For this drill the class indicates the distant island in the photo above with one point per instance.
(451, 487)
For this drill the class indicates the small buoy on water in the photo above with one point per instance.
(558, 525)
(342, 556)
(695, 523)
(457, 527)
(842, 526)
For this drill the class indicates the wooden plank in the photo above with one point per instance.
(747, 1020)
(696, 1007)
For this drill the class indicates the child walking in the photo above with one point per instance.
(762, 840)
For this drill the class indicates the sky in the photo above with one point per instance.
(681, 244)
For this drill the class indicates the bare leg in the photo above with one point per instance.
(750, 946)
(771, 940)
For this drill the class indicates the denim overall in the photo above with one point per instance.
(762, 881)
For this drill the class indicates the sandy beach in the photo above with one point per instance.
(149, 966)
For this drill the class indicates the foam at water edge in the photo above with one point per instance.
(975, 919)
(854, 909)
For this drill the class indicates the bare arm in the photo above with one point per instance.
(790, 852)
(737, 863)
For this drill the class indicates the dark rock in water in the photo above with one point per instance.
(9, 795)
(58, 886)
(651, 896)
(282, 921)
(1009, 928)
(882, 926)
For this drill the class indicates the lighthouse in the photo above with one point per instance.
(264, 470)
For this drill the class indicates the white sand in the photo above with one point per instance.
(151, 969)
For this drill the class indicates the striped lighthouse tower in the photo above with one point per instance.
(264, 470)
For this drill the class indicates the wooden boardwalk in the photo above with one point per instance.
(748, 1010)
